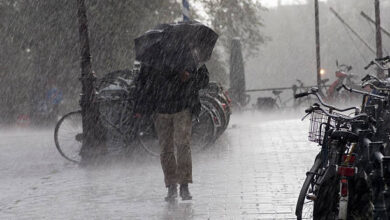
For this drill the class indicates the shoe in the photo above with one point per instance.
(172, 192)
(185, 192)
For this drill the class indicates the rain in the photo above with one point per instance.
(194, 109)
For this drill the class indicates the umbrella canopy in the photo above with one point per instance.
(179, 46)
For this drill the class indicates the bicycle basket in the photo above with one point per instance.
(318, 123)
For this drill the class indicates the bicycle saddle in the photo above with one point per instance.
(276, 92)
(345, 136)
(324, 81)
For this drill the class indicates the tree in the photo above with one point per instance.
(230, 19)
(235, 18)
(40, 44)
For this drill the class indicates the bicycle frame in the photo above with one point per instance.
(366, 152)
(375, 160)
(335, 154)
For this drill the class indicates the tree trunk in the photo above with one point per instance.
(89, 112)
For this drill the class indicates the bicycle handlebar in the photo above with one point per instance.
(386, 58)
(374, 79)
(372, 85)
(362, 92)
(339, 117)
(368, 66)
(300, 95)
(370, 77)
(366, 78)
(314, 91)
(377, 64)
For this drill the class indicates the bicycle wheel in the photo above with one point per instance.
(217, 106)
(204, 130)
(327, 199)
(360, 204)
(304, 207)
(68, 135)
(115, 117)
(147, 137)
(203, 134)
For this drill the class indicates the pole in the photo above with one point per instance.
(282, 88)
(237, 73)
(386, 32)
(352, 30)
(318, 52)
(186, 10)
(378, 34)
(87, 78)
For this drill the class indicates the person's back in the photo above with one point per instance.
(174, 97)
(164, 91)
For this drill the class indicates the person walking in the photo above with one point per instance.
(168, 85)
(172, 97)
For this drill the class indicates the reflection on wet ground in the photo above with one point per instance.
(254, 171)
(179, 210)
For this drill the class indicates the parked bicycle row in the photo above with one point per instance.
(282, 98)
(122, 130)
(350, 177)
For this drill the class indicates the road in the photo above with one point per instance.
(254, 171)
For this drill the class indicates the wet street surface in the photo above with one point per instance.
(254, 171)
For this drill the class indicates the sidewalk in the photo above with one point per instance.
(254, 171)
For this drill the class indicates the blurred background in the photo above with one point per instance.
(39, 47)
(290, 52)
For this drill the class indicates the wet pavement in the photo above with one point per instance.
(254, 171)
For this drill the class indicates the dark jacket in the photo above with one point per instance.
(162, 91)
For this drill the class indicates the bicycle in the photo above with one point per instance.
(344, 76)
(373, 142)
(216, 97)
(361, 147)
(380, 110)
(269, 103)
(123, 131)
(204, 132)
(111, 93)
(328, 192)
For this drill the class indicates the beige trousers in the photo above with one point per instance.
(174, 130)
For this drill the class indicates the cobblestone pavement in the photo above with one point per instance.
(254, 171)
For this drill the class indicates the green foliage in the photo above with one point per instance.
(235, 18)
(230, 19)
(114, 26)
(39, 42)
(40, 45)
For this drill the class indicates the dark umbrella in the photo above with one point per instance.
(181, 45)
